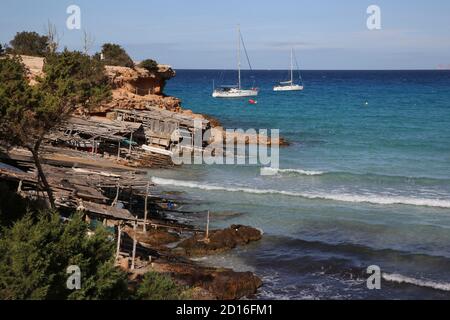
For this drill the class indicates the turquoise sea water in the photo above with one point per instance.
(365, 181)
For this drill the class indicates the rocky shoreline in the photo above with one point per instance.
(85, 180)
(205, 282)
(164, 246)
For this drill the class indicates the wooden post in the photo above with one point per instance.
(131, 143)
(119, 239)
(134, 244)
(118, 152)
(207, 227)
(146, 207)
(116, 199)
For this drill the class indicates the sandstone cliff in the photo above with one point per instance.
(34, 67)
(140, 81)
(132, 88)
(136, 88)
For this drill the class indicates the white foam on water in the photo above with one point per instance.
(398, 278)
(260, 230)
(297, 171)
(372, 199)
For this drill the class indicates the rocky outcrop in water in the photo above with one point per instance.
(154, 237)
(206, 282)
(214, 283)
(219, 241)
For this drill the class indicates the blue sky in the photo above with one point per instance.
(327, 34)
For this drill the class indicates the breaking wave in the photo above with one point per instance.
(373, 199)
(398, 278)
(297, 171)
(359, 177)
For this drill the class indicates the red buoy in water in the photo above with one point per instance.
(251, 101)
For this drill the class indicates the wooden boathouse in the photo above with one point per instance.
(160, 125)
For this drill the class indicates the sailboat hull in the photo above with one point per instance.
(235, 93)
(289, 88)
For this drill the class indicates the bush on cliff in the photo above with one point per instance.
(156, 286)
(75, 80)
(115, 55)
(149, 64)
(2, 50)
(30, 44)
(28, 113)
(36, 252)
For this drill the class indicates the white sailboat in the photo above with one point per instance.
(290, 85)
(235, 91)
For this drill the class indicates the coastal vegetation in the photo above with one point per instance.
(35, 253)
(61, 149)
(72, 81)
(115, 55)
(149, 64)
(30, 44)
(36, 247)
(36, 250)
(155, 286)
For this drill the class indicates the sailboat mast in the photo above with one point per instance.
(239, 57)
(292, 66)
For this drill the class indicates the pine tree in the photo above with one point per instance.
(36, 252)
(30, 43)
(28, 113)
(115, 55)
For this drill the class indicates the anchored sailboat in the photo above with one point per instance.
(290, 85)
(236, 91)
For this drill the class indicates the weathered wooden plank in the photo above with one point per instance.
(107, 211)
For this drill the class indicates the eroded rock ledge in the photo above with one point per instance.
(206, 282)
(219, 241)
(135, 89)
(212, 283)
(139, 89)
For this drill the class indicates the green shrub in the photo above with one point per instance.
(27, 113)
(29, 43)
(35, 254)
(76, 79)
(115, 55)
(149, 64)
(156, 286)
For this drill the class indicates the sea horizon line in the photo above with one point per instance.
(314, 70)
